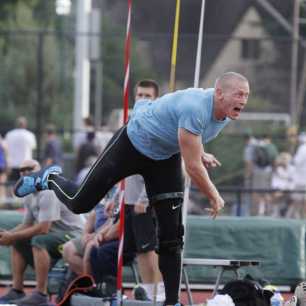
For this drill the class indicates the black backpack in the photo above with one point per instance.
(247, 293)
(261, 156)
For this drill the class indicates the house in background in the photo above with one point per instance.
(238, 35)
(252, 51)
(249, 44)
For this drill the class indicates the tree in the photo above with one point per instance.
(20, 64)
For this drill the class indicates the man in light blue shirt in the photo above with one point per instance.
(153, 128)
(152, 143)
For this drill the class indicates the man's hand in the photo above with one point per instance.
(140, 208)
(6, 238)
(216, 206)
(87, 237)
(209, 160)
(101, 236)
(109, 208)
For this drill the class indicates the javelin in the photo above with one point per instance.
(174, 46)
(196, 84)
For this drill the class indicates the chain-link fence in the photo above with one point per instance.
(37, 81)
(37, 71)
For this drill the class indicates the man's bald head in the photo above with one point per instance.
(231, 95)
(21, 122)
(227, 79)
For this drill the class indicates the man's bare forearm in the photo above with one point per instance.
(29, 232)
(199, 175)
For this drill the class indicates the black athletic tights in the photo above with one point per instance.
(163, 177)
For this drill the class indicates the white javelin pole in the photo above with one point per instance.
(199, 48)
(196, 84)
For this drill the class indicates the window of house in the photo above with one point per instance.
(250, 48)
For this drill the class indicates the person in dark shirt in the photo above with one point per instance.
(86, 150)
(53, 153)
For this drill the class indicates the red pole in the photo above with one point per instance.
(127, 50)
(125, 118)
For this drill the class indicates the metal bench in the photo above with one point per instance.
(225, 265)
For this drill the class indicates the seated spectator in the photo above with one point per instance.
(98, 246)
(75, 251)
(104, 253)
(282, 180)
(105, 250)
(37, 241)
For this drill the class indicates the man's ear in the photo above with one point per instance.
(219, 92)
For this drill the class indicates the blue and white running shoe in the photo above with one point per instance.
(37, 181)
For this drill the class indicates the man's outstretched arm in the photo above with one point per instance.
(195, 158)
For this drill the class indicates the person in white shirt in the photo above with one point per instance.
(299, 162)
(20, 145)
(282, 180)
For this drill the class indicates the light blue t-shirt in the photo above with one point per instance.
(153, 127)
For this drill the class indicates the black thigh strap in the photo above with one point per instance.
(166, 196)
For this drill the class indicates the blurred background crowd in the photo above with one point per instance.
(269, 181)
